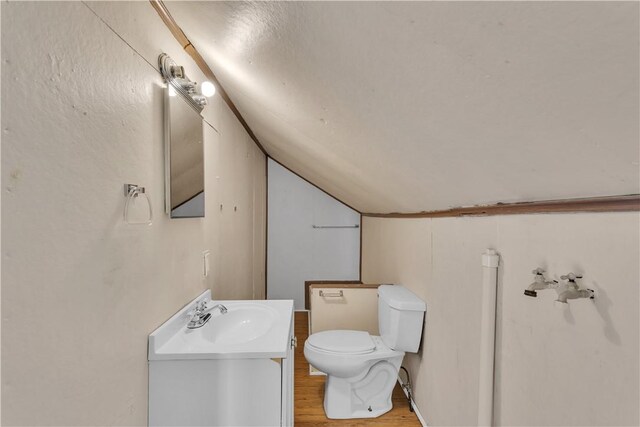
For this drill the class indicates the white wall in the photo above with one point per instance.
(81, 116)
(553, 367)
(296, 251)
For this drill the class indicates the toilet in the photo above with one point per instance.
(362, 369)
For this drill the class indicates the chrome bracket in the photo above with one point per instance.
(128, 188)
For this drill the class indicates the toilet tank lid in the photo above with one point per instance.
(401, 298)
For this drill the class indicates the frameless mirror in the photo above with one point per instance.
(184, 158)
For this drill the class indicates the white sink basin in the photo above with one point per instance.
(240, 324)
(250, 329)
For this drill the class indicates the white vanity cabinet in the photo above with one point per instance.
(212, 376)
(287, 380)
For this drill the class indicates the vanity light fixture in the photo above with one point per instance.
(196, 95)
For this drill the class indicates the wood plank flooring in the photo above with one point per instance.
(309, 394)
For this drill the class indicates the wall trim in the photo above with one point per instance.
(626, 203)
(266, 228)
(186, 44)
(360, 253)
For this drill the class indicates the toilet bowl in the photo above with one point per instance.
(362, 369)
(361, 372)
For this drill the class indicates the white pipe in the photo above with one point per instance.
(490, 262)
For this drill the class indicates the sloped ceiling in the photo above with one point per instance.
(414, 106)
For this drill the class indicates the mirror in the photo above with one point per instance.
(184, 158)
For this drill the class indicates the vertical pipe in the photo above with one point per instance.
(490, 261)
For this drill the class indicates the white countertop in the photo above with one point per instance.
(226, 336)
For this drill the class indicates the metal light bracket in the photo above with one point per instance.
(174, 75)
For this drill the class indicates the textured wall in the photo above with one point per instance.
(399, 106)
(81, 116)
(553, 367)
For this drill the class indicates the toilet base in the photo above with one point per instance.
(364, 396)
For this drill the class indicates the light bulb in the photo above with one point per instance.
(172, 91)
(208, 89)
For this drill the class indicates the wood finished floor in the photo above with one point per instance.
(309, 394)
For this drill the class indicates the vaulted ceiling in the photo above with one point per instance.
(412, 106)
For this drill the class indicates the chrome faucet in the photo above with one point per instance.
(222, 308)
(201, 316)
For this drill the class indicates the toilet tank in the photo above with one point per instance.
(400, 317)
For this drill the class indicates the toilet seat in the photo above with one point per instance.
(345, 342)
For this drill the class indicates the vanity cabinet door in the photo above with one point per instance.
(287, 381)
(224, 392)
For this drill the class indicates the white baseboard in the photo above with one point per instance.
(413, 405)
